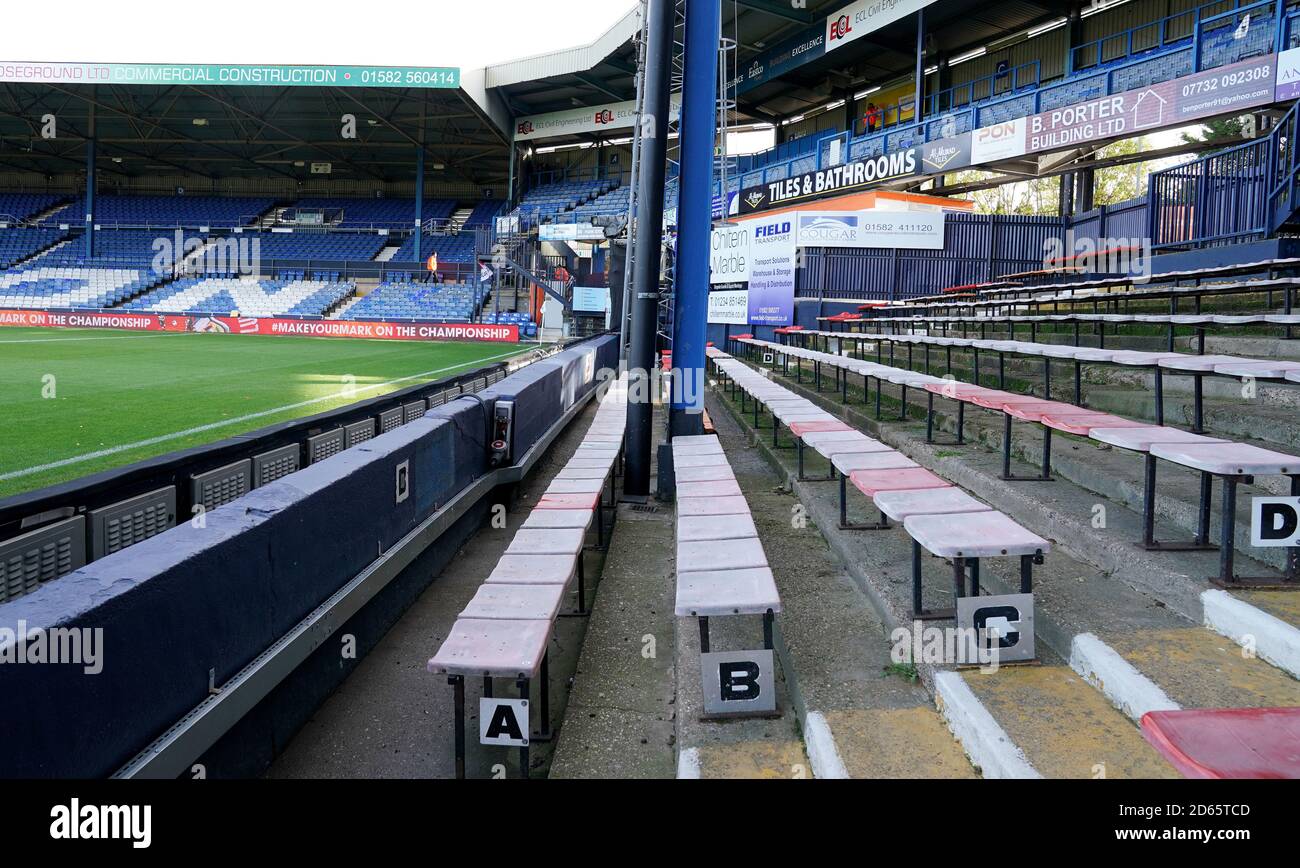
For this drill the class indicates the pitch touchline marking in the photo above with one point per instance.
(88, 338)
(163, 438)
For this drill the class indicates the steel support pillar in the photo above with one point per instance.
(653, 135)
(694, 215)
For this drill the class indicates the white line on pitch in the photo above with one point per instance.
(163, 438)
(89, 338)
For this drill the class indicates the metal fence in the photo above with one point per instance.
(1218, 199)
(977, 248)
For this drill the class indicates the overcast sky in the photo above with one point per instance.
(463, 33)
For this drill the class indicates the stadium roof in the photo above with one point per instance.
(953, 27)
(604, 71)
(242, 131)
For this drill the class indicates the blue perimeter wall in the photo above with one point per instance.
(197, 599)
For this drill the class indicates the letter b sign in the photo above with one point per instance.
(738, 683)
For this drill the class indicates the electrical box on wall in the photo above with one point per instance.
(503, 433)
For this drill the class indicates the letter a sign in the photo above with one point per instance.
(503, 722)
(738, 684)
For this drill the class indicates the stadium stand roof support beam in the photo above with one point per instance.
(694, 215)
(778, 9)
(334, 156)
(90, 183)
(93, 103)
(661, 18)
(920, 66)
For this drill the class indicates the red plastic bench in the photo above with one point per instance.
(1228, 742)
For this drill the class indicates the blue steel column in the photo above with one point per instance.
(694, 215)
(419, 202)
(653, 135)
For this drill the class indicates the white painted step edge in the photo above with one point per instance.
(1274, 640)
(1119, 681)
(820, 744)
(985, 742)
(688, 764)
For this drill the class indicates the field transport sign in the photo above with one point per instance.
(393, 331)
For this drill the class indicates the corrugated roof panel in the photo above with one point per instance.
(569, 60)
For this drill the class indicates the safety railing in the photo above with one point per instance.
(1222, 197)
(1025, 92)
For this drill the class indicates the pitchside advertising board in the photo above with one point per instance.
(393, 331)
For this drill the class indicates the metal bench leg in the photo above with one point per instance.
(974, 577)
(1027, 571)
(457, 683)
(768, 619)
(1226, 577)
(1160, 394)
(929, 422)
(704, 635)
(544, 729)
(1006, 454)
(917, 609)
(528, 729)
(880, 387)
(1198, 404)
(883, 524)
(1078, 384)
(902, 412)
(582, 583)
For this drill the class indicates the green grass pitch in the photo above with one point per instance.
(78, 401)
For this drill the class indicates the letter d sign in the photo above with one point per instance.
(1275, 522)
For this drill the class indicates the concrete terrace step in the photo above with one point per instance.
(1063, 727)
(859, 717)
(1076, 604)
(990, 737)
